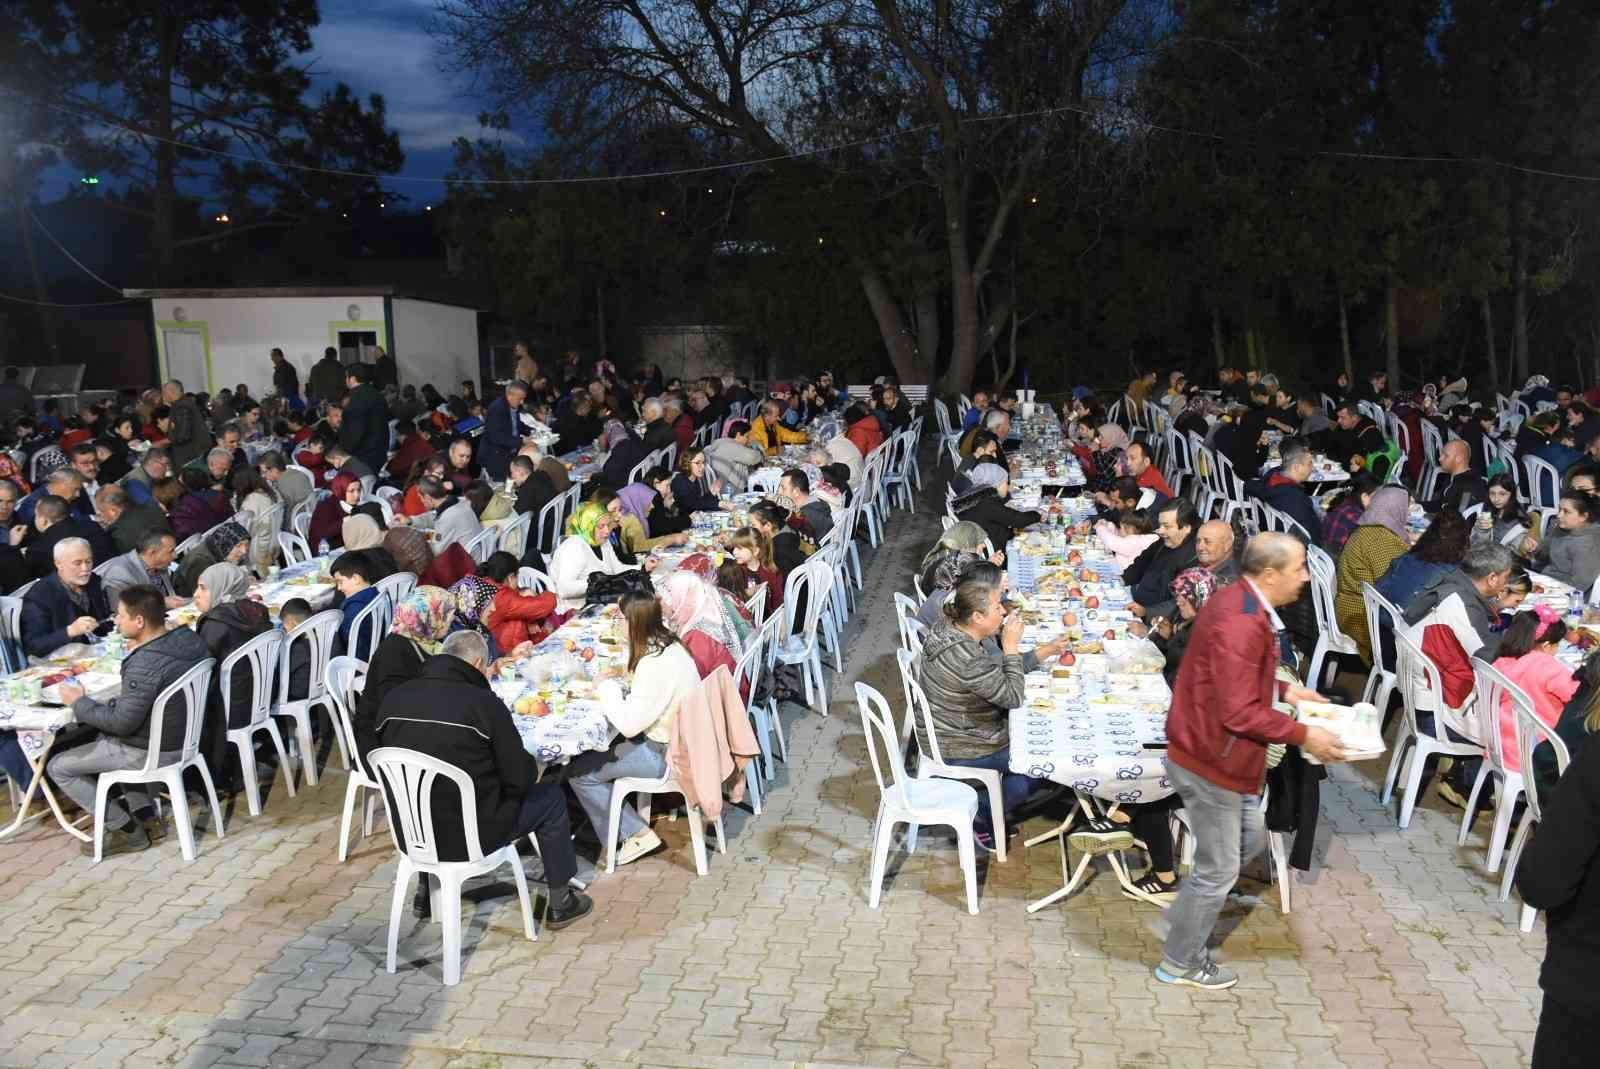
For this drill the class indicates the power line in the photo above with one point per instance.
(58, 304)
(63, 249)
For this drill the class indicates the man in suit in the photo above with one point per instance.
(68, 605)
(146, 564)
(502, 431)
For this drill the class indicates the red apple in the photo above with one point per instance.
(1069, 658)
(1091, 602)
(1109, 633)
(1070, 619)
(588, 653)
(541, 708)
(1075, 592)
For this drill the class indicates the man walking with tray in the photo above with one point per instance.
(1218, 731)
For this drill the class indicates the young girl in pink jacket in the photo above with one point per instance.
(1127, 539)
(1527, 658)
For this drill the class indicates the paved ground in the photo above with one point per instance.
(267, 951)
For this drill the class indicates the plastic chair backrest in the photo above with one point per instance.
(409, 777)
(295, 550)
(191, 687)
(12, 658)
(763, 480)
(397, 586)
(263, 652)
(747, 672)
(514, 535)
(1432, 442)
(1322, 586)
(1530, 731)
(549, 529)
(638, 471)
(318, 632)
(372, 622)
(756, 605)
(1542, 473)
(481, 546)
(1493, 691)
(877, 723)
(303, 470)
(916, 631)
(917, 708)
(342, 681)
(1377, 606)
(813, 580)
(186, 545)
(533, 581)
(1414, 666)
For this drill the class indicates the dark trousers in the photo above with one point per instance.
(1151, 825)
(1014, 787)
(544, 816)
(1566, 1038)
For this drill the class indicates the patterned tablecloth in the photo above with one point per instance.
(35, 726)
(1094, 744)
(308, 580)
(560, 674)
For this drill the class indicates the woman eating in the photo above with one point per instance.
(327, 519)
(694, 488)
(1502, 517)
(985, 505)
(662, 673)
(1106, 458)
(1571, 553)
(253, 494)
(227, 544)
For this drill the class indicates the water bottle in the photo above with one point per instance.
(1575, 606)
(322, 548)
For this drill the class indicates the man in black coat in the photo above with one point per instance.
(52, 525)
(1150, 576)
(502, 431)
(1284, 490)
(285, 379)
(68, 606)
(449, 713)
(326, 381)
(364, 427)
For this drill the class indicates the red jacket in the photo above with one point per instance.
(1152, 479)
(683, 431)
(518, 616)
(1222, 717)
(865, 434)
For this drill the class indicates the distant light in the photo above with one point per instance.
(381, 204)
(89, 180)
(710, 190)
(427, 207)
(1033, 200)
(344, 215)
(819, 241)
(663, 213)
(223, 218)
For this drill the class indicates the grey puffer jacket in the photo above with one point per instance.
(1570, 556)
(146, 672)
(971, 692)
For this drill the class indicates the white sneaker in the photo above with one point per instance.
(638, 845)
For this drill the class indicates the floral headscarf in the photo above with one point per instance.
(1195, 584)
(583, 521)
(689, 603)
(9, 470)
(424, 616)
(220, 543)
(473, 595)
(409, 548)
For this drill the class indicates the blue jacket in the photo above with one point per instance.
(502, 437)
(352, 608)
(47, 610)
(1406, 577)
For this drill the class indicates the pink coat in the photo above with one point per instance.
(1546, 681)
(711, 741)
(1126, 548)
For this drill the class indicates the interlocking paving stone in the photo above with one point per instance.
(267, 951)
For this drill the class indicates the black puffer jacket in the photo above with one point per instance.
(985, 508)
(146, 672)
(224, 629)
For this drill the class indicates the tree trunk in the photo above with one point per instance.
(1344, 334)
(1217, 345)
(902, 348)
(1519, 303)
(1488, 341)
(46, 315)
(1250, 346)
(927, 310)
(964, 313)
(165, 194)
(1391, 329)
(600, 317)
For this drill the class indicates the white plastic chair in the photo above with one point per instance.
(1530, 731)
(396, 586)
(1432, 444)
(763, 480)
(410, 777)
(1380, 680)
(481, 546)
(1544, 483)
(190, 688)
(262, 654)
(1330, 638)
(514, 535)
(317, 632)
(747, 677)
(902, 800)
(1414, 672)
(905, 609)
(187, 544)
(756, 606)
(1493, 689)
(547, 530)
(533, 581)
(667, 783)
(930, 761)
(303, 470)
(294, 548)
(813, 579)
(12, 657)
(343, 682)
(369, 627)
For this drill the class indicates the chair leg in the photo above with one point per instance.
(308, 748)
(752, 785)
(247, 769)
(882, 835)
(1513, 856)
(338, 737)
(997, 818)
(450, 902)
(1414, 770)
(1400, 748)
(966, 850)
(182, 819)
(351, 789)
(283, 756)
(1510, 791)
(1280, 865)
(617, 798)
(397, 904)
(1525, 921)
(697, 838)
(523, 898)
(1472, 804)
(722, 838)
(777, 728)
(178, 800)
(102, 789)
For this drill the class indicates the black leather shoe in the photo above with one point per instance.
(566, 906)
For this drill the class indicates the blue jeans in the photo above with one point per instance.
(1227, 831)
(1014, 787)
(590, 776)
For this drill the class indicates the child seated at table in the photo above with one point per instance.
(752, 551)
(517, 617)
(1131, 536)
(354, 575)
(733, 579)
(1527, 657)
(295, 612)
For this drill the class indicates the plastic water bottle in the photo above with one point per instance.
(322, 548)
(1575, 606)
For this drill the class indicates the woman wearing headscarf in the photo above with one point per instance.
(585, 550)
(1377, 542)
(228, 620)
(985, 505)
(411, 552)
(421, 621)
(1190, 590)
(1106, 458)
(327, 519)
(253, 494)
(692, 608)
(228, 544)
(363, 532)
(475, 609)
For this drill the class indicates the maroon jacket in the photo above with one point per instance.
(1222, 717)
